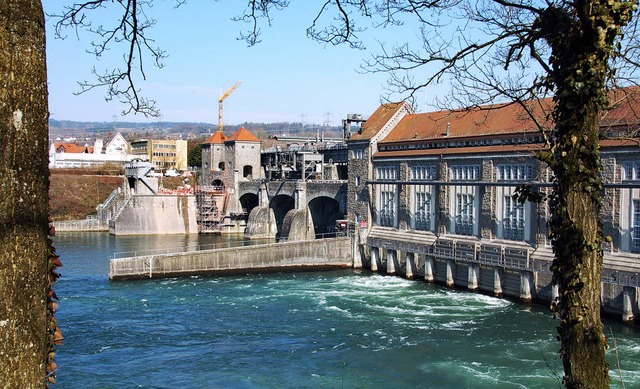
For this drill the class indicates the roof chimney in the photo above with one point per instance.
(448, 129)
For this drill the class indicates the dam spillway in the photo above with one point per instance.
(301, 255)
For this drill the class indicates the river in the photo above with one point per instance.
(340, 329)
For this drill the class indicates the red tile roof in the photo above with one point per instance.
(243, 135)
(625, 110)
(486, 120)
(378, 119)
(72, 148)
(505, 119)
(217, 137)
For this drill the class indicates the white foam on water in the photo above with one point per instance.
(339, 310)
(631, 348)
(458, 325)
(476, 370)
(375, 282)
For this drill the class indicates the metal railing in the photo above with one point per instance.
(187, 248)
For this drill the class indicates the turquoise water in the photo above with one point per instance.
(342, 329)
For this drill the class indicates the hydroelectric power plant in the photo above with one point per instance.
(425, 196)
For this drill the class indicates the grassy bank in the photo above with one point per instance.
(75, 193)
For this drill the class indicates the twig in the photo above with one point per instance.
(615, 346)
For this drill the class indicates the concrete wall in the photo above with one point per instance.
(308, 255)
(92, 224)
(145, 215)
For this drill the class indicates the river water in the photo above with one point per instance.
(341, 329)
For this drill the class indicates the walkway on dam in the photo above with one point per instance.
(317, 254)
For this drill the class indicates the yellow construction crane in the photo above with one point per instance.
(224, 96)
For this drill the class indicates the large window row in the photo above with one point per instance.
(457, 206)
(464, 200)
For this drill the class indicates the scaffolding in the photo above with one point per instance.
(209, 216)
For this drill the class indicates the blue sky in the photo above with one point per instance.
(286, 77)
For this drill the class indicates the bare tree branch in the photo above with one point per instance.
(130, 34)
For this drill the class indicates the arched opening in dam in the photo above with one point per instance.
(281, 204)
(324, 212)
(248, 201)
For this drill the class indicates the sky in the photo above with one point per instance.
(287, 77)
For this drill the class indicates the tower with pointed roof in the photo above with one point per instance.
(242, 163)
(242, 157)
(213, 158)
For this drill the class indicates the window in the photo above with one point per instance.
(357, 154)
(423, 173)
(357, 180)
(513, 172)
(465, 173)
(387, 208)
(387, 195)
(464, 214)
(512, 216)
(247, 171)
(463, 199)
(631, 170)
(422, 207)
(422, 212)
(513, 219)
(387, 173)
(635, 229)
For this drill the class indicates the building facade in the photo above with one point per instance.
(229, 160)
(455, 174)
(213, 159)
(164, 153)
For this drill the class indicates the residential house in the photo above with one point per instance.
(71, 155)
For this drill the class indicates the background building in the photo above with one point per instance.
(72, 155)
(164, 153)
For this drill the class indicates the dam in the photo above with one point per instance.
(440, 208)
(514, 272)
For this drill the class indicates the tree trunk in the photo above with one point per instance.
(24, 182)
(582, 40)
(578, 257)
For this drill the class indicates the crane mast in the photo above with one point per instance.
(220, 101)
